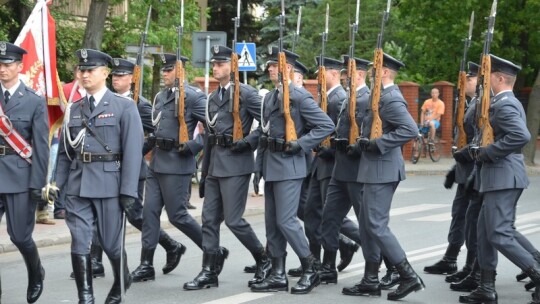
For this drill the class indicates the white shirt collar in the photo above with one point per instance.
(126, 94)
(99, 95)
(388, 85)
(503, 92)
(358, 88)
(11, 90)
(333, 88)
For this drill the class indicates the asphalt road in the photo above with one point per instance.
(420, 219)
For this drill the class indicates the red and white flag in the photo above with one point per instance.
(38, 38)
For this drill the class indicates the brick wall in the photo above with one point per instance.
(410, 93)
(446, 90)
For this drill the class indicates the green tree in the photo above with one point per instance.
(221, 19)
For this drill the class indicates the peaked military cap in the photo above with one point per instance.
(9, 52)
(504, 66)
(90, 59)
(473, 69)
(273, 55)
(221, 53)
(330, 63)
(392, 63)
(122, 66)
(361, 64)
(300, 68)
(169, 61)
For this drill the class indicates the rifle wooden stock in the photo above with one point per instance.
(181, 94)
(483, 122)
(461, 140)
(354, 132)
(323, 98)
(376, 125)
(290, 130)
(238, 132)
(136, 80)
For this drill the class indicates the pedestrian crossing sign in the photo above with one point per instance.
(247, 59)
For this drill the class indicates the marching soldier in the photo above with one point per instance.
(98, 166)
(169, 176)
(230, 164)
(283, 166)
(504, 159)
(300, 71)
(343, 189)
(381, 170)
(24, 155)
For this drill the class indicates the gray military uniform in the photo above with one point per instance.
(320, 174)
(283, 174)
(381, 174)
(28, 114)
(344, 190)
(169, 177)
(229, 172)
(93, 186)
(502, 181)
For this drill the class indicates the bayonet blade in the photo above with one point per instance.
(327, 17)
(182, 14)
(388, 3)
(238, 9)
(298, 21)
(283, 8)
(493, 9)
(471, 24)
(357, 12)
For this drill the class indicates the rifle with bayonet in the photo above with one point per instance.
(321, 77)
(297, 33)
(484, 135)
(179, 93)
(283, 78)
(351, 81)
(460, 139)
(234, 100)
(376, 125)
(137, 82)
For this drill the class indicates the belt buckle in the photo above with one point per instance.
(2, 150)
(87, 157)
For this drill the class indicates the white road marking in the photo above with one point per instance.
(240, 298)
(439, 217)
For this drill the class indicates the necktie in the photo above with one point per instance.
(222, 93)
(91, 99)
(169, 94)
(6, 97)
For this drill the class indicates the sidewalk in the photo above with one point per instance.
(49, 235)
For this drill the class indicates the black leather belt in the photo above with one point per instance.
(222, 140)
(88, 157)
(340, 144)
(166, 144)
(7, 150)
(272, 144)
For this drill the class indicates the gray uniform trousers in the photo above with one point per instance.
(340, 198)
(171, 191)
(471, 221)
(20, 213)
(456, 233)
(313, 209)
(373, 218)
(497, 232)
(227, 196)
(105, 213)
(282, 225)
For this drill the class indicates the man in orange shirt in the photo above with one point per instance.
(432, 110)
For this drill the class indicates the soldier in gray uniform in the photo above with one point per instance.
(283, 167)
(169, 176)
(24, 112)
(381, 170)
(230, 165)
(344, 191)
(99, 161)
(502, 180)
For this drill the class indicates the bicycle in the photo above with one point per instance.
(421, 144)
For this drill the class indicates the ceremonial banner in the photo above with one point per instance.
(38, 38)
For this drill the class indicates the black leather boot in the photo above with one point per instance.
(263, 267)
(315, 249)
(310, 277)
(174, 249)
(470, 282)
(391, 278)
(461, 274)
(145, 271)
(276, 281)
(36, 274)
(485, 293)
(221, 256)
(447, 265)
(207, 277)
(295, 272)
(522, 275)
(250, 268)
(409, 281)
(369, 285)
(96, 254)
(328, 273)
(347, 248)
(115, 294)
(82, 270)
(534, 274)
